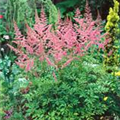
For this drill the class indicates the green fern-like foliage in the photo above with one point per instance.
(52, 11)
(18, 10)
(22, 11)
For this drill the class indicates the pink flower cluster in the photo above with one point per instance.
(58, 46)
(8, 114)
(1, 16)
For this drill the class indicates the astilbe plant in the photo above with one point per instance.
(60, 46)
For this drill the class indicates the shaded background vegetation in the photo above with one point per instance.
(101, 5)
(70, 5)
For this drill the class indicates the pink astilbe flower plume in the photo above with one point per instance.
(57, 47)
(17, 32)
(55, 78)
(88, 14)
(43, 18)
(77, 13)
(99, 19)
(59, 21)
(29, 64)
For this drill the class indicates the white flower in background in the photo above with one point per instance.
(22, 80)
(2, 49)
(6, 37)
(90, 64)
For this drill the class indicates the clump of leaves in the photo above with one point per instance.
(83, 91)
(8, 69)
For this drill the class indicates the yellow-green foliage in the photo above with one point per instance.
(113, 18)
(113, 30)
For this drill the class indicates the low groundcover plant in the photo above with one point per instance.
(81, 93)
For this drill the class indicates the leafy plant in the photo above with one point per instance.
(112, 57)
(11, 81)
(83, 91)
(8, 69)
